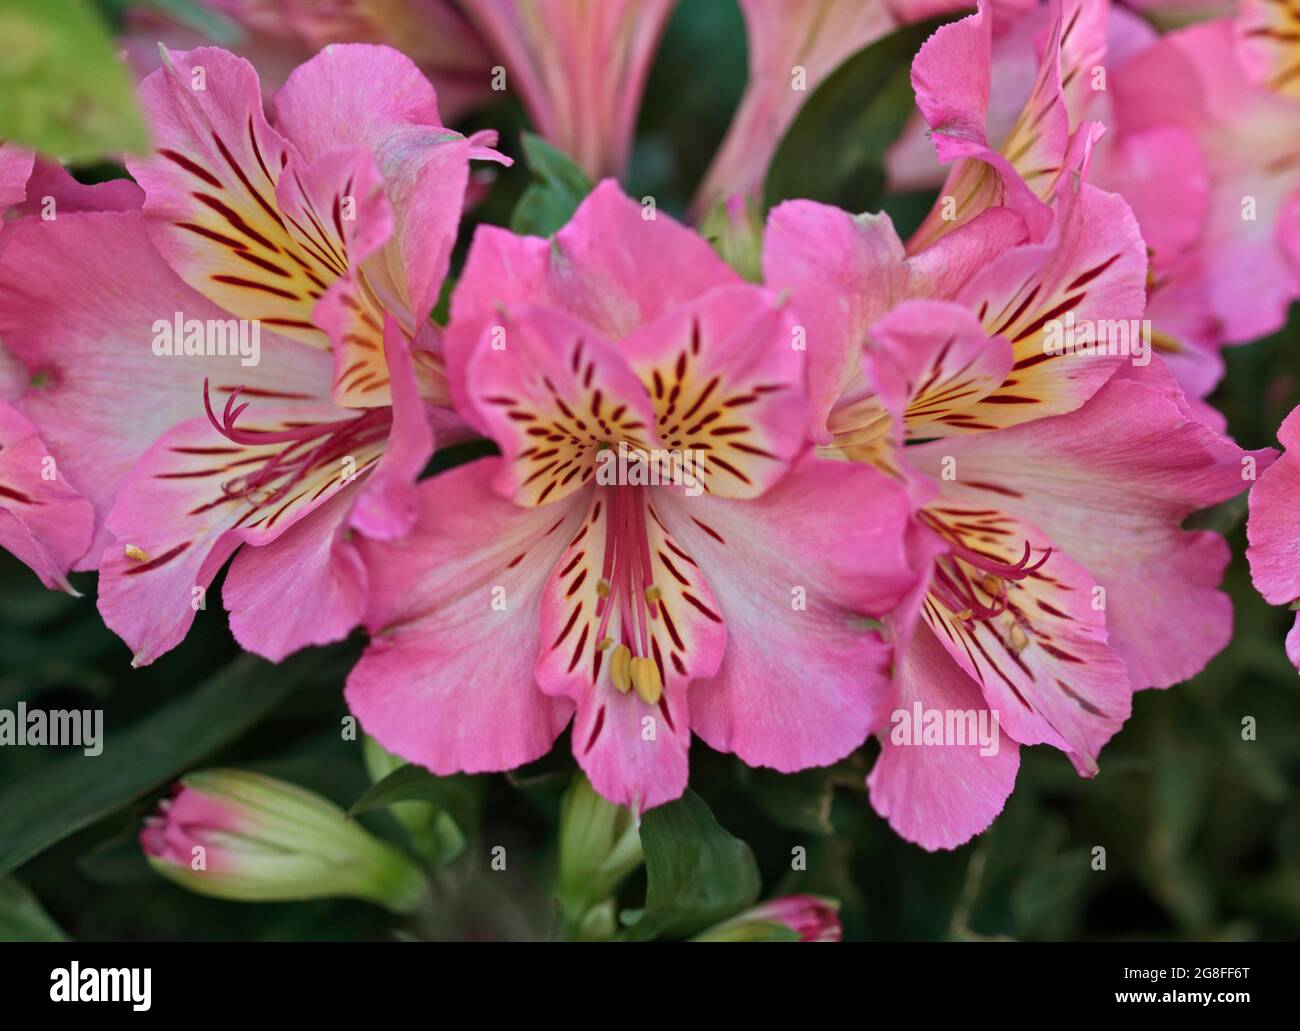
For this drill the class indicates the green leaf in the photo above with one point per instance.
(62, 89)
(697, 874)
(23, 918)
(72, 793)
(834, 151)
(556, 191)
(458, 796)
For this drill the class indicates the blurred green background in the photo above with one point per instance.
(1201, 829)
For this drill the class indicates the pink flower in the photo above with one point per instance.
(278, 35)
(329, 233)
(1048, 70)
(580, 68)
(1274, 529)
(804, 918)
(1017, 165)
(1243, 261)
(540, 586)
(1060, 578)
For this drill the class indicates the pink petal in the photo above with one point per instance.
(610, 267)
(932, 359)
(580, 69)
(375, 98)
(725, 376)
(1274, 526)
(347, 184)
(51, 182)
(1091, 267)
(15, 168)
(447, 681)
(815, 37)
(845, 272)
(939, 795)
(388, 503)
(210, 190)
(43, 521)
(315, 564)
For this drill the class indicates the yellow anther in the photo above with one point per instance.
(1165, 344)
(653, 594)
(991, 583)
(138, 554)
(963, 615)
(1017, 639)
(604, 645)
(602, 588)
(645, 678)
(620, 668)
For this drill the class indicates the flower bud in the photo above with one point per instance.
(735, 228)
(600, 844)
(239, 835)
(434, 834)
(802, 918)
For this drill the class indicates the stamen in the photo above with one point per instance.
(1017, 639)
(620, 668)
(645, 678)
(136, 554)
(627, 586)
(333, 441)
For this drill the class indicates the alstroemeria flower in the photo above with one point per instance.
(1060, 573)
(330, 232)
(279, 35)
(1040, 82)
(580, 67)
(1020, 170)
(1274, 529)
(1244, 261)
(532, 586)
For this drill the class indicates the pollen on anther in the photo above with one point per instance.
(136, 554)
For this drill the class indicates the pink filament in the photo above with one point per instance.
(952, 587)
(627, 569)
(336, 439)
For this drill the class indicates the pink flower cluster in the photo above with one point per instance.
(936, 487)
